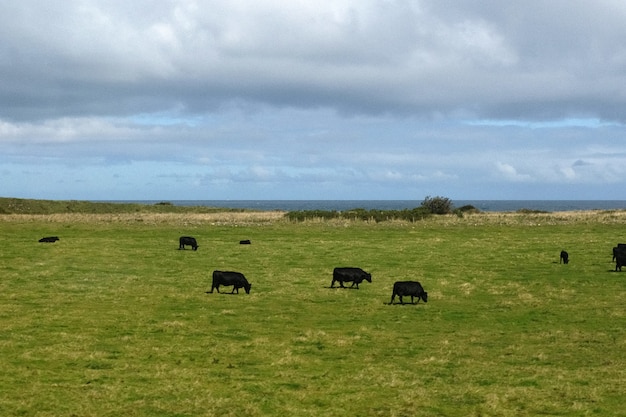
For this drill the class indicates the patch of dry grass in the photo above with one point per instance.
(217, 218)
(270, 217)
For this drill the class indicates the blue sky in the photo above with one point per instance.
(349, 99)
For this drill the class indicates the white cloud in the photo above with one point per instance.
(510, 172)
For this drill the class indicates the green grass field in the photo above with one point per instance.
(113, 320)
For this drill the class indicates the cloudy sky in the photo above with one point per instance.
(342, 99)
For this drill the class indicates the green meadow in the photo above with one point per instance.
(114, 320)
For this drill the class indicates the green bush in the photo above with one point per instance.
(530, 211)
(465, 209)
(412, 215)
(437, 205)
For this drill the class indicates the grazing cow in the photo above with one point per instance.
(564, 257)
(412, 288)
(48, 239)
(188, 241)
(356, 275)
(227, 278)
(620, 258)
(245, 242)
(620, 246)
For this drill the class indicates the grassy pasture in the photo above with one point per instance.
(113, 320)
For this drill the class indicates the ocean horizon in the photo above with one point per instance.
(342, 205)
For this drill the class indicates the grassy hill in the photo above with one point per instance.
(30, 206)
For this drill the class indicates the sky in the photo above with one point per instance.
(343, 99)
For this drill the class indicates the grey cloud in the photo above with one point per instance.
(496, 60)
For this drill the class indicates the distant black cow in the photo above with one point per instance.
(354, 275)
(244, 242)
(620, 246)
(48, 239)
(564, 257)
(227, 278)
(187, 241)
(405, 288)
(620, 258)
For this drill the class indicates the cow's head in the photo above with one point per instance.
(425, 297)
(247, 288)
(368, 277)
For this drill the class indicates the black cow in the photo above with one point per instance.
(412, 288)
(620, 246)
(564, 257)
(227, 278)
(48, 239)
(620, 258)
(356, 275)
(244, 242)
(188, 241)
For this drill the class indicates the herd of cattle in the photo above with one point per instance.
(350, 274)
(354, 275)
(340, 275)
(619, 256)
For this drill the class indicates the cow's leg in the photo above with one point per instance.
(401, 302)
(332, 284)
(392, 297)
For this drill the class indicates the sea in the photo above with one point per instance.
(342, 205)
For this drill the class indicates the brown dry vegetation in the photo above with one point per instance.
(216, 218)
(268, 217)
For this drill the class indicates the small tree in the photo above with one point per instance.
(437, 205)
